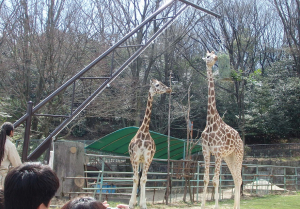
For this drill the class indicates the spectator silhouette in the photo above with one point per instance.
(8, 151)
(30, 186)
(84, 203)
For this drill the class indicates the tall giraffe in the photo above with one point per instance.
(142, 147)
(220, 140)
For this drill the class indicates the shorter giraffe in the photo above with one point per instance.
(142, 147)
(220, 140)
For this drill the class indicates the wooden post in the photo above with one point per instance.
(69, 162)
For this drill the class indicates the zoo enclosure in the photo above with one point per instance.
(116, 181)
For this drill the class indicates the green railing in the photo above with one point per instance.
(257, 179)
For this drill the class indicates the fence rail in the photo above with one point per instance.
(257, 179)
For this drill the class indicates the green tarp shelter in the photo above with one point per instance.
(118, 141)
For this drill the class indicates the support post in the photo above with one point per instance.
(27, 131)
(168, 167)
(284, 170)
(296, 183)
(101, 180)
(198, 170)
(220, 184)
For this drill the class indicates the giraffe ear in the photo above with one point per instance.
(207, 52)
(213, 52)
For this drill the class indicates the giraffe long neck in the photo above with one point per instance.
(146, 122)
(211, 105)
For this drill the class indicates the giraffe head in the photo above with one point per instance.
(158, 87)
(210, 58)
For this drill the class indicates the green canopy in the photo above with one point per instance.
(118, 141)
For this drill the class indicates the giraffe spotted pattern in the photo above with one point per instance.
(220, 140)
(142, 147)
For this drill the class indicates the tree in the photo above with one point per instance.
(43, 47)
(289, 13)
(238, 33)
(274, 101)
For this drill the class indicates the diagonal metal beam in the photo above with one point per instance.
(201, 8)
(44, 145)
(93, 63)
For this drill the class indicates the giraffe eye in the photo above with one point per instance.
(156, 85)
(207, 56)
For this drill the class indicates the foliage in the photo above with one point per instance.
(257, 88)
(273, 104)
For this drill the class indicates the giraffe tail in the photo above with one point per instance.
(139, 185)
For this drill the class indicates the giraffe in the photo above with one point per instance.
(220, 140)
(142, 147)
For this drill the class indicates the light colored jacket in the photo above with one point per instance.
(11, 156)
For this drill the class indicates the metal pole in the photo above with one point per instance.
(88, 67)
(220, 185)
(296, 175)
(256, 179)
(41, 148)
(100, 195)
(27, 131)
(169, 121)
(201, 8)
(284, 170)
(73, 95)
(198, 170)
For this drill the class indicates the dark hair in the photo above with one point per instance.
(29, 185)
(6, 128)
(84, 203)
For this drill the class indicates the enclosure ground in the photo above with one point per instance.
(247, 202)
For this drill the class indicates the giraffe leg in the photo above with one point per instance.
(132, 201)
(143, 181)
(206, 155)
(234, 162)
(216, 179)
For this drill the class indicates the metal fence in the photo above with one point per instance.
(116, 182)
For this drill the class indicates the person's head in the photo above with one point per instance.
(84, 203)
(31, 186)
(7, 129)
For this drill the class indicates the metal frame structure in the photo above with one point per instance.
(32, 111)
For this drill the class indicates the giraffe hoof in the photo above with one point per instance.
(143, 206)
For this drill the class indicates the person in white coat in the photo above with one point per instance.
(8, 151)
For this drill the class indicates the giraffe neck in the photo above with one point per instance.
(211, 106)
(146, 122)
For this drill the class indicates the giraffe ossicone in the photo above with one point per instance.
(220, 140)
(142, 147)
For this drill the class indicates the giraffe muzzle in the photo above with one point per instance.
(169, 90)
